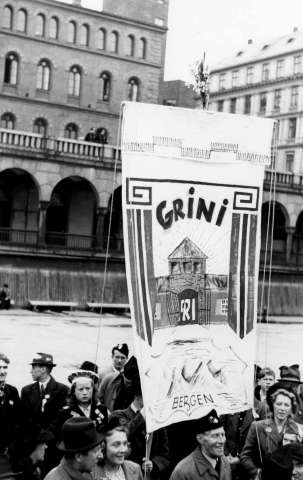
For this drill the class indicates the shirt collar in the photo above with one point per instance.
(212, 461)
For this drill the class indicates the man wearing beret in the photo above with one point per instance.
(120, 354)
(81, 448)
(207, 461)
(42, 399)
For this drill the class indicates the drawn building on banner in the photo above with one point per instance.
(188, 295)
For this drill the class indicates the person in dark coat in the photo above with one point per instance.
(5, 297)
(207, 461)
(27, 453)
(10, 407)
(91, 135)
(133, 417)
(42, 399)
(82, 400)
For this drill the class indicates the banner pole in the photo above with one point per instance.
(148, 444)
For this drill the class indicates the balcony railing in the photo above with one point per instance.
(58, 146)
(287, 179)
(70, 241)
(18, 237)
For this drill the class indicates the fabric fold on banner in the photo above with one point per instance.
(192, 196)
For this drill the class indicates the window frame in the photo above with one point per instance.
(75, 82)
(45, 82)
(15, 59)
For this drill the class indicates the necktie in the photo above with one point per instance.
(217, 467)
(42, 391)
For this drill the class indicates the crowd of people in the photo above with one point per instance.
(94, 428)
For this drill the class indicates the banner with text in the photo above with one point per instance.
(192, 193)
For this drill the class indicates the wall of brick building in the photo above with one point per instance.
(55, 105)
(149, 10)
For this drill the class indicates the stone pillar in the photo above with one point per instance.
(42, 222)
(289, 242)
(101, 212)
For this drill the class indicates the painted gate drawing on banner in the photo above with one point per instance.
(192, 250)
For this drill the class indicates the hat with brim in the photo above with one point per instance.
(43, 359)
(209, 422)
(6, 470)
(79, 434)
(290, 374)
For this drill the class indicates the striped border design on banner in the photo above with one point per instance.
(242, 273)
(141, 267)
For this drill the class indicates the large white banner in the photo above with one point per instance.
(192, 194)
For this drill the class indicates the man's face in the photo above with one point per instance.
(212, 442)
(297, 473)
(87, 461)
(3, 371)
(266, 382)
(37, 372)
(119, 360)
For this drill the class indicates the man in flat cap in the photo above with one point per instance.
(81, 448)
(113, 385)
(42, 399)
(207, 461)
(10, 407)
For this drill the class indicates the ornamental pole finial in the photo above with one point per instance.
(201, 75)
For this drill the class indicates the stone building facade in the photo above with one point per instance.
(266, 79)
(64, 70)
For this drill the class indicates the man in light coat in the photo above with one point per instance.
(207, 461)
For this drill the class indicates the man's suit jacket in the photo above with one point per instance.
(195, 467)
(10, 415)
(43, 412)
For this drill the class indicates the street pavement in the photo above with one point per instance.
(73, 337)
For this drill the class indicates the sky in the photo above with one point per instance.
(220, 28)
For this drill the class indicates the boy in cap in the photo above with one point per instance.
(81, 448)
(207, 461)
(113, 385)
(120, 354)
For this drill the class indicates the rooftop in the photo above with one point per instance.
(254, 52)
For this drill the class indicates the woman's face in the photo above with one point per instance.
(282, 407)
(116, 448)
(84, 390)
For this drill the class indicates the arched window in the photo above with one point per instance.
(8, 14)
(104, 86)
(40, 126)
(142, 48)
(71, 32)
(40, 25)
(22, 20)
(74, 81)
(114, 42)
(84, 35)
(101, 39)
(133, 89)
(43, 75)
(11, 69)
(8, 121)
(54, 28)
(131, 45)
(71, 131)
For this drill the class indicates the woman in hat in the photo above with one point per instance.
(114, 465)
(82, 401)
(266, 436)
(27, 454)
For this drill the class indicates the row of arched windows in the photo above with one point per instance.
(40, 125)
(43, 79)
(76, 34)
